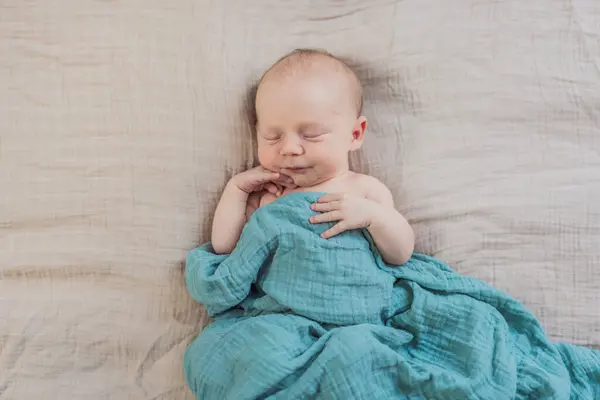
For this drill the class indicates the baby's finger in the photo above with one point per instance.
(335, 230)
(272, 188)
(284, 180)
(326, 217)
(266, 176)
(330, 197)
(286, 177)
(323, 207)
(289, 185)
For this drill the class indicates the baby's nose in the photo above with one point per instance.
(291, 145)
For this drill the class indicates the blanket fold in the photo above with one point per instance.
(298, 316)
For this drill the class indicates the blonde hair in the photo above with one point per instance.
(299, 60)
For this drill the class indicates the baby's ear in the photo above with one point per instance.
(358, 133)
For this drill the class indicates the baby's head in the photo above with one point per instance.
(309, 116)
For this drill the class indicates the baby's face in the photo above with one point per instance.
(306, 127)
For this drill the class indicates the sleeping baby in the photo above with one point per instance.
(309, 117)
(302, 281)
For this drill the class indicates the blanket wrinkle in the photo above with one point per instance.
(298, 316)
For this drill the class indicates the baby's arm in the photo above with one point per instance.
(391, 232)
(372, 209)
(229, 219)
(240, 199)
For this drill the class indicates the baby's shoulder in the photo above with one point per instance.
(365, 182)
(372, 188)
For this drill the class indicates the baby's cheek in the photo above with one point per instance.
(266, 159)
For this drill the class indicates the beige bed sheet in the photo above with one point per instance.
(120, 121)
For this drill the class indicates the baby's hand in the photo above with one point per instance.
(352, 212)
(259, 179)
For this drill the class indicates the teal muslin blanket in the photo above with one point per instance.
(300, 317)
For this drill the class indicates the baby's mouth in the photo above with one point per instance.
(294, 170)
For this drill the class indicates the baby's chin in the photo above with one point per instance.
(304, 185)
(307, 181)
(302, 181)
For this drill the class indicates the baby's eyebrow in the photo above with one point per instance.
(311, 125)
(268, 129)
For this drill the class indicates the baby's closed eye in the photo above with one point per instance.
(311, 135)
(313, 130)
(272, 137)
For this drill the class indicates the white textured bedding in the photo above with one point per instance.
(120, 121)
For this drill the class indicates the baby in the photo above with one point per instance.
(309, 118)
(297, 316)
